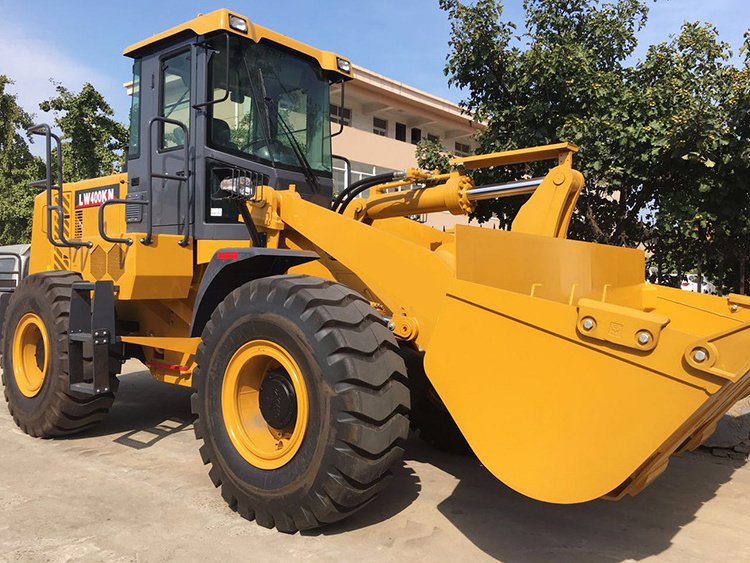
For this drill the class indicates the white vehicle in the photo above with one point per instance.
(14, 266)
(690, 283)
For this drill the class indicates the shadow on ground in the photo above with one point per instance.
(513, 528)
(145, 411)
(499, 521)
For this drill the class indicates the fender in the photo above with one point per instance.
(230, 268)
(4, 300)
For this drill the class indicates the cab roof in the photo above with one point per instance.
(219, 21)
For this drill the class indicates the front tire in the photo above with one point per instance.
(301, 399)
(35, 360)
(429, 416)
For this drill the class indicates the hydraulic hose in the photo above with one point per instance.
(358, 187)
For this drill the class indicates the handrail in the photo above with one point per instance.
(226, 92)
(347, 169)
(104, 235)
(184, 178)
(44, 129)
(341, 112)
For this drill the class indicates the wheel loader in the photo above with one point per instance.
(309, 325)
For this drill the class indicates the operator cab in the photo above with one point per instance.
(217, 98)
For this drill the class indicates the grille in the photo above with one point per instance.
(78, 224)
(134, 213)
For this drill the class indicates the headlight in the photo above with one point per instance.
(240, 187)
(344, 65)
(238, 24)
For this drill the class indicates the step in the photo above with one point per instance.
(87, 388)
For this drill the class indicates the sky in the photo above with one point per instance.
(78, 41)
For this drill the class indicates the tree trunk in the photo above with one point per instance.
(742, 275)
(721, 276)
(700, 276)
(659, 271)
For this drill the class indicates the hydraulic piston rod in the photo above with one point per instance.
(506, 189)
(456, 195)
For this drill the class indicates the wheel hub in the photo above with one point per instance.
(278, 401)
(30, 357)
(264, 404)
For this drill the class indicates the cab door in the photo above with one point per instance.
(171, 181)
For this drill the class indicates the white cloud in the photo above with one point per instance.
(31, 61)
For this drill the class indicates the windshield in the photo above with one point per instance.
(272, 95)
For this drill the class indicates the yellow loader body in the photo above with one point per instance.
(295, 316)
(569, 376)
(532, 341)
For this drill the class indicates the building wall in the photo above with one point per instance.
(371, 96)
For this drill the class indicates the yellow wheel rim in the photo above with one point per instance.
(30, 354)
(261, 445)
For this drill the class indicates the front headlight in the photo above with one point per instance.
(240, 187)
(344, 65)
(238, 24)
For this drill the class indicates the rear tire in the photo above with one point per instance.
(429, 417)
(36, 386)
(351, 408)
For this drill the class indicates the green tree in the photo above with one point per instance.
(566, 83)
(92, 140)
(663, 142)
(18, 167)
(701, 99)
(431, 156)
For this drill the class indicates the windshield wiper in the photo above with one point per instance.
(296, 148)
(266, 127)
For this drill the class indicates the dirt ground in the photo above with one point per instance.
(134, 489)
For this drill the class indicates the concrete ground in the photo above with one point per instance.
(134, 489)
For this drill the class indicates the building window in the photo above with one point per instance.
(416, 135)
(380, 126)
(463, 149)
(339, 114)
(433, 138)
(400, 132)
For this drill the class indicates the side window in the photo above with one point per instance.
(380, 126)
(400, 132)
(134, 148)
(175, 98)
(8, 271)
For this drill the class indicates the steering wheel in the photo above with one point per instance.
(260, 148)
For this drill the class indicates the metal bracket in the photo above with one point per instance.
(620, 325)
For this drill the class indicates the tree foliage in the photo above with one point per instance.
(18, 167)
(92, 143)
(92, 139)
(431, 156)
(663, 141)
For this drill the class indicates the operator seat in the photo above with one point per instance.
(222, 134)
